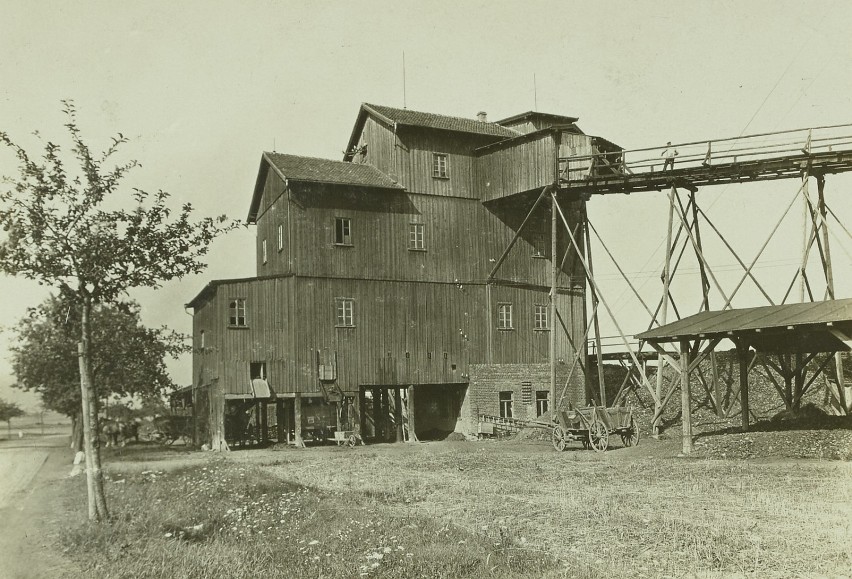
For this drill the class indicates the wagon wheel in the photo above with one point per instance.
(352, 440)
(598, 436)
(558, 438)
(631, 436)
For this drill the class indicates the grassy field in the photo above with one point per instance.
(466, 509)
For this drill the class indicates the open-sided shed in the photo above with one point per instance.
(795, 334)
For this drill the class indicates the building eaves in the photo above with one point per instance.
(300, 169)
(211, 286)
(561, 119)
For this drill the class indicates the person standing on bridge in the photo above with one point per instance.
(669, 153)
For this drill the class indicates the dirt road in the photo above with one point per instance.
(28, 468)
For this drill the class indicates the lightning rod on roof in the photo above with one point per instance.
(535, 95)
(403, 81)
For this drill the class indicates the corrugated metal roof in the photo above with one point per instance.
(433, 121)
(318, 170)
(723, 322)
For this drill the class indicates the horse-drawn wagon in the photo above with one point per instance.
(593, 425)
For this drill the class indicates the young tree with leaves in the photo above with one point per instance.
(8, 411)
(76, 228)
(127, 358)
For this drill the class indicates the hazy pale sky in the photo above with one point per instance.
(202, 88)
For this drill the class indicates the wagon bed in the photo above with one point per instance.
(593, 425)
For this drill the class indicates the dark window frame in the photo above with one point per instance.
(341, 315)
(343, 232)
(440, 165)
(542, 403)
(506, 401)
(235, 306)
(505, 316)
(541, 320)
(415, 230)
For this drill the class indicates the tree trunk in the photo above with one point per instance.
(76, 433)
(91, 441)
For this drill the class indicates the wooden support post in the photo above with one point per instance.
(805, 236)
(412, 434)
(661, 363)
(742, 357)
(377, 414)
(280, 420)
(601, 378)
(397, 414)
(685, 398)
(264, 421)
(297, 420)
(553, 274)
(361, 411)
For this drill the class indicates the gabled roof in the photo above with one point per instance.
(804, 327)
(406, 117)
(557, 119)
(316, 170)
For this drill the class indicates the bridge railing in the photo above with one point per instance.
(698, 154)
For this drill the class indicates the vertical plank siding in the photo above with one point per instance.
(420, 317)
(517, 166)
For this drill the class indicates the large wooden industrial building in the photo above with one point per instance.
(376, 308)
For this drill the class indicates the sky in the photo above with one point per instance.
(202, 88)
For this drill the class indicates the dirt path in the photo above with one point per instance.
(28, 470)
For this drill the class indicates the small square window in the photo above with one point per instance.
(440, 167)
(504, 316)
(343, 231)
(416, 237)
(542, 402)
(237, 313)
(506, 404)
(263, 250)
(345, 311)
(540, 318)
(280, 237)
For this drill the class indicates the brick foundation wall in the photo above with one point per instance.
(488, 380)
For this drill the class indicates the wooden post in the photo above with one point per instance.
(601, 379)
(412, 434)
(661, 363)
(297, 420)
(829, 289)
(361, 423)
(377, 414)
(258, 426)
(685, 397)
(397, 414)
(553, 275)
(742, 356)
(264, 421)
(279, 418)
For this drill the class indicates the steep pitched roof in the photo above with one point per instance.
(316, 170)
(433, 121)
(405, 117)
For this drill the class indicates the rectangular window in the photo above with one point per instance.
(280, 237)
(257, 370)
(540, 318)
(542, 402)
(504, 316)
(343, 231)
(506, 404)
(263, 250)
(237, 312)
(345, 308)
(539, 243)
(201, 340)
(416, 237)
(439, 165)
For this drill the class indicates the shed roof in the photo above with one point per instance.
(806, 327)
(316, 170)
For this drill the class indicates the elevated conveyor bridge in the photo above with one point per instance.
(760, 157)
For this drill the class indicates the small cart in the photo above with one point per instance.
(347, 437)
(593, 425)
